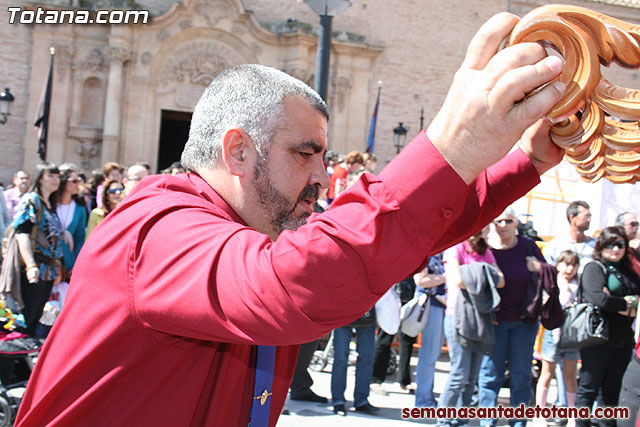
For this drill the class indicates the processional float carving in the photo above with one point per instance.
(603, 138)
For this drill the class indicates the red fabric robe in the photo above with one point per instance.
(172, 291)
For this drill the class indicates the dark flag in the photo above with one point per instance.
(372, 129)
(42, 116)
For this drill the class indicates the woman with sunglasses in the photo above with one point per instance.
(610, 283)
(72, 214)
(111, 197)
(39, 234)
(517, 257)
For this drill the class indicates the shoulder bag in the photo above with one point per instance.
(414, 315)
(585, 325)
(388, 311)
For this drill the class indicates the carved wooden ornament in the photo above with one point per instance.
(603, 138)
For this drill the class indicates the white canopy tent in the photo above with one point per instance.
(546, 204)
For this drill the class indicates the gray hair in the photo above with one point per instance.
(250, 97)
(620, 218)
(509, 211)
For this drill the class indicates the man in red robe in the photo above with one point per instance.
(174, 289)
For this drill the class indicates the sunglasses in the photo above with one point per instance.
(634, 223)
(115, 190)
(503, 222)
(619, 244)
(76, 180)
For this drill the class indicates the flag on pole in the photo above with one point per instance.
(42, 115)
(372, 129)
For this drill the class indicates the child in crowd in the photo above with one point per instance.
(567, 266)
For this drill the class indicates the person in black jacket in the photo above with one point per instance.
(406, 290)
(610, 283)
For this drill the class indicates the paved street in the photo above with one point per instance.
(315, 414)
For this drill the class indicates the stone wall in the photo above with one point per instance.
(15, 73)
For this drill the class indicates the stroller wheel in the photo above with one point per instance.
(393, 362)
(318, 362)
(6, 413)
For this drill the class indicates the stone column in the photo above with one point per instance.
(111, 129)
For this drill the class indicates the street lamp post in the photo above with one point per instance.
(326, 9)
(399, 137)
(5, 105)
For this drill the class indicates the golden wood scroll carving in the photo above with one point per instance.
(603, 138)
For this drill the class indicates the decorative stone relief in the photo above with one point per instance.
(212, 11)
(88, 144)
(237, 30)
(88, 151)
(94, 62)
(118, 54)
(184, 24)
(163, 35)
(201, 69)
(198, 63)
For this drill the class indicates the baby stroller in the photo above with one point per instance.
(321, 358)
(18, 353)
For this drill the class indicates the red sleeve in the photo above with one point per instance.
(230, 283)
(488, 196)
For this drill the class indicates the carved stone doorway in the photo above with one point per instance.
(174, 132)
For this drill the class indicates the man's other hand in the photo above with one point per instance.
(485, 111)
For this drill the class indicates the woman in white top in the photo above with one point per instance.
(73, 216)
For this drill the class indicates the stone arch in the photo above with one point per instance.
(91, 112)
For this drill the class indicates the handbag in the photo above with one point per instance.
(388, 311)
(414, 315)
(585, 325)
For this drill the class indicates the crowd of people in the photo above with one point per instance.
(63, 208)
(53, 211)
(509, 334)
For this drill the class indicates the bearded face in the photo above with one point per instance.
(276, 205)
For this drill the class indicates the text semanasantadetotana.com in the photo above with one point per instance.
(43, 16)
(520, 412)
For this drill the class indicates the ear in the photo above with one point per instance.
(236, 145)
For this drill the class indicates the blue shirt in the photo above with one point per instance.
(435, 266)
